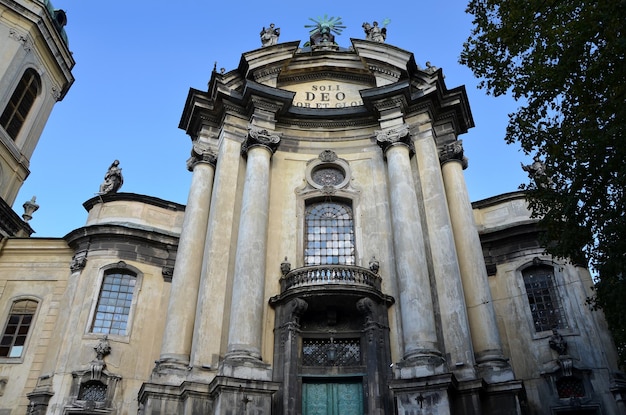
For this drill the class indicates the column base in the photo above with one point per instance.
(417, 365)
(494, 367)
(171, 369)
(244, 367)
(429, 394)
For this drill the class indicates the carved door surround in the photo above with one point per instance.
(332, 338)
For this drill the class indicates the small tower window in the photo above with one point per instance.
(20, 104)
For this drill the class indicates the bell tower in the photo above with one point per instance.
(35, 73)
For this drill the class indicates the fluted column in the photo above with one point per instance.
(480, 309)
(177, 337)
(246, 315)
(444, 259)
(421, 355)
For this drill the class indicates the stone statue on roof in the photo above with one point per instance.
(269, 35)
(113, 179)
(374, 32)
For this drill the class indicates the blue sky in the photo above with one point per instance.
(135, 63)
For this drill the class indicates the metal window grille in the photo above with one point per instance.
(331, 352)
(93, 391)
(570, 387)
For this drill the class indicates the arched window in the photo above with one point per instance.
(17, 327)
(329, 233)
(543, 298)
(114, 303)
(21, 102)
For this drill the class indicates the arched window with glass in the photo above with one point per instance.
(329, 233)
(22, 100)
(543, 299)
(18, 324)
(114, 303)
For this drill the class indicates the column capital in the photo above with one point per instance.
(201, 153)
(390, 137)
(260, 137)
(453, 152)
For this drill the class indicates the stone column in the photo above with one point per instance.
(481, 313)
(246, 316)
(456, 332)
(421, 356)
(177, 337)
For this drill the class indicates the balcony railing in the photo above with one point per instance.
(330, 274)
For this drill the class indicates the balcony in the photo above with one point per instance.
(340, 275)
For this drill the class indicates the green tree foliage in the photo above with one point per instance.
(564, 62)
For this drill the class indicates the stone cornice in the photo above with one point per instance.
(132, 197)
(11, 224)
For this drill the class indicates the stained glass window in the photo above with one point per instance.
(116, 297)
(329, 231)
(543, 299)
(17, 328)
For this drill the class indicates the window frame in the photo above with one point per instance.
(104, 271)
(14, 103)
(319, 201)
(555, 295)
(31, 328)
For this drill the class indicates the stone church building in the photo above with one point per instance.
(328, 259)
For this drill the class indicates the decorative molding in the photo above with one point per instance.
(260, 137)
(24, 40)
(328, 156)
(167, 273)
(265, 105)
(395, 136)
(327, 162)
(55, 92)
(453, 152)
(327, 75)
(207, 157)
(326, 123)
(79, 261)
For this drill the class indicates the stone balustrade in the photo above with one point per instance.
(330, 274)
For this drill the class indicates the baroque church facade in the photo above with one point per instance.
(328, 259)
